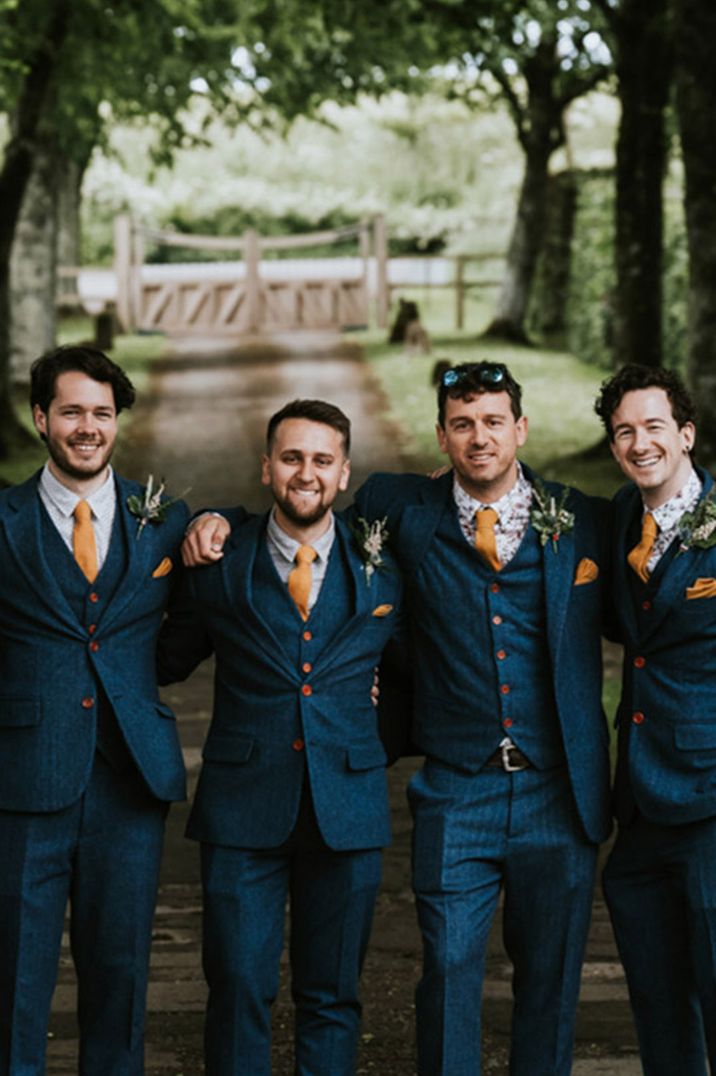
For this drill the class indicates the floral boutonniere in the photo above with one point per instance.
(549, 516)
(150, 508)
(697, 529)
(370, 538)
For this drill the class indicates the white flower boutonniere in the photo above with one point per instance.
(697, 529)
(549, 516)
(150, 508)
(370, 538)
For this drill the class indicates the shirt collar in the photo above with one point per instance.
(65, 500)
(667, 515)
(504, 506)
(287, 546)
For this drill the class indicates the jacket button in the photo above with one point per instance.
(637, 717)
(639, 662)
(501, 655)
(297, 745)
(495, 588)
(507, 723)
(91, 628)
(497, 619)
(307, 666)
(94, 647)
(646, 606)
(306, 689)
(88, 702)
(307, 635)
(505, 689)
(94, 597)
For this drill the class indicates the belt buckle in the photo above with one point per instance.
(506, 746)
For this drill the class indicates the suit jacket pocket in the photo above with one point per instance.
(587, 571)
(366, 756)
(20, 711)
(701, 588)
(696, 737)
(228, 749)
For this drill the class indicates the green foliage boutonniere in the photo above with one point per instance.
(370, 539)
(549, 516)
(150, 508)
(697, 529)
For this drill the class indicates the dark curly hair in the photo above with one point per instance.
(85, 360)
(470, 379)
(634, 376)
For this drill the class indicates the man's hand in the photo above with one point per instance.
(204, 540)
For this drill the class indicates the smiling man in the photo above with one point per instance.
(504, 585)
(89, 756)
(660, 880)
(292, 797)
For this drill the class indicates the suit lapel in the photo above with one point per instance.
(629, 508)
(559, 566)
(237, 572)
(141, 554)
(24, 535)
(419, 522)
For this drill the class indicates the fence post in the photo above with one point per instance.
(380, 241)
(460, 291)
(123, 270)
(253, 290)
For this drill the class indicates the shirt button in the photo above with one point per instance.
(94, 647)
(297, 745)
(495, 588)
(637, 717)
(91, 628)
(88, 702)
(307, 666)
(94, 597)
(306, 689)
(639, 663)
(646, 606)
(307, 636)
(505, 689)
(507, 723)
(497, 619)
(501, 654)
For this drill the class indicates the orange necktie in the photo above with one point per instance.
(83, 542)
(485, 542)
(639, 555)
(301, 577)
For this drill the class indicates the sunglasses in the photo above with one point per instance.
(488, 374)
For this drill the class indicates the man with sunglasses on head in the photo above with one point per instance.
(504, 585)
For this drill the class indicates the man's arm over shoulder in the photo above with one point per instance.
(207, 533)
(384, 494)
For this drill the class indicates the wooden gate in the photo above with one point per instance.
(250, 296)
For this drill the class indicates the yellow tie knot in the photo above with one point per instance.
(639, 556)
(301, 578)
(84, 546)
(485, 541)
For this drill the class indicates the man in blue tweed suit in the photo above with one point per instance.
(660, 880)
(504, 585)
(292, 797)
(89, 756)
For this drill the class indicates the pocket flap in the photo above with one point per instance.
(228, 749)
(165, 711)
(695, 737)
(366, 756)
(20, 711)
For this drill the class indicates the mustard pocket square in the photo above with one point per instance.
(163, 568)
(382, 610)
(587, 571)
(701, 588)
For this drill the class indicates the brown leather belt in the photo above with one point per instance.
(509, 758)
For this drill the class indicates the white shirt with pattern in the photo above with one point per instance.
(513, 510)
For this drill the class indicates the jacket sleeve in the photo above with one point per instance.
(184, 641)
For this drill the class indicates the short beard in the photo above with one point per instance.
(299, 520)
(63, 464)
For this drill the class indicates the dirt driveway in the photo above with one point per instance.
(201, 424)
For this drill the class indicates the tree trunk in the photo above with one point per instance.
(14, 177)
(696, 103)
(644, 64)
(33, 265)
(508, 322)
(548, 305)
(69, 188)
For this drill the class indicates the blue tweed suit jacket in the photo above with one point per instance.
(273, 722)
(51, 668)
(442, 681)
(669, 689)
